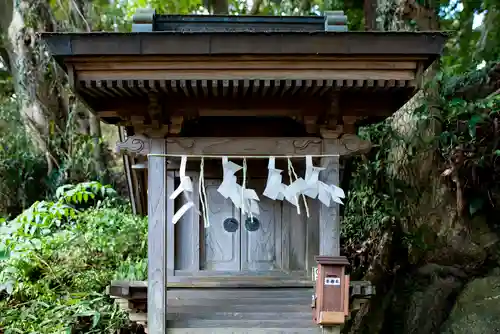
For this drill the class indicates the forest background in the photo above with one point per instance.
(420, 220)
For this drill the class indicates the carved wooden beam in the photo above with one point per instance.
(345, 145)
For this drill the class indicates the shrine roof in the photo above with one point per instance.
(156, 43)
(253, 63)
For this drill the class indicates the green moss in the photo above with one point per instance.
(477, 308)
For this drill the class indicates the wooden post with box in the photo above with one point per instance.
(331, 296)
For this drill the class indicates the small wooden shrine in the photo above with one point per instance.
(217, 106)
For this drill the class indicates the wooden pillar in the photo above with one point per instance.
(329, 220)
(157, 235)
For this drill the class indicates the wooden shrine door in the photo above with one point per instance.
(235, 242)
(278, 240)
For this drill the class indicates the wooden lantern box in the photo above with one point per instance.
(331, 298)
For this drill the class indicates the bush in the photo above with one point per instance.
(57, 259)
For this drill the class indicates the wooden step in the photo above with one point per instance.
(257, 315)
(315, 330)
(238, 293)
(265, 310)
(276, 323)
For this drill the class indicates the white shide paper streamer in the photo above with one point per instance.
(185, 187)
(326, 193)
(242, 198)
(247, 199)
(275, 189)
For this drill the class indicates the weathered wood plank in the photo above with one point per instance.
(329, 218)
(242, 74)
(170, 228)
(249, 62)
(157, 237)
(196, 323)
(237, 301)
(242, 316)
(315, 330)
(197, 309)
(138, 290)
(346, 145)
(279, 274)
(239, 293)
(238, 282)
(312, 236)
(188, 233)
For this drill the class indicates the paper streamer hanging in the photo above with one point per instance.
(242, 198)
(203, 194)
(275, 189)
(185, 187)
(295, 188)
(326, 193)
(311, 178)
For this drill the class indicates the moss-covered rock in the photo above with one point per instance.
(477, 308)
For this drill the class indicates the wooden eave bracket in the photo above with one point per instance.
(136, 145)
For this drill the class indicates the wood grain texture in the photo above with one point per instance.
(245, 331)
(240, 308)
(236, 281)
(312, 224)
(267, 146)
(329, 221)
(187, 233)
(170, 228)
(329, 218)
(241, 74)
(157, 236)
(243, 62)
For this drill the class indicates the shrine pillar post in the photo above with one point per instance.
(160, 227)
(329, 221)
(157, 236)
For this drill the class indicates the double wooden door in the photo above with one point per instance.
(276, 241)
(238, 242)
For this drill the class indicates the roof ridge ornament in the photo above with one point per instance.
(143, 20)
(335, 20)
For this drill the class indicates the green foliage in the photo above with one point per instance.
(469, 145)
(84, 194)
(56, 261)
(22, 168)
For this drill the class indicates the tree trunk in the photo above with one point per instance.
(43, 102)
(80, 11)
(370, 9)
